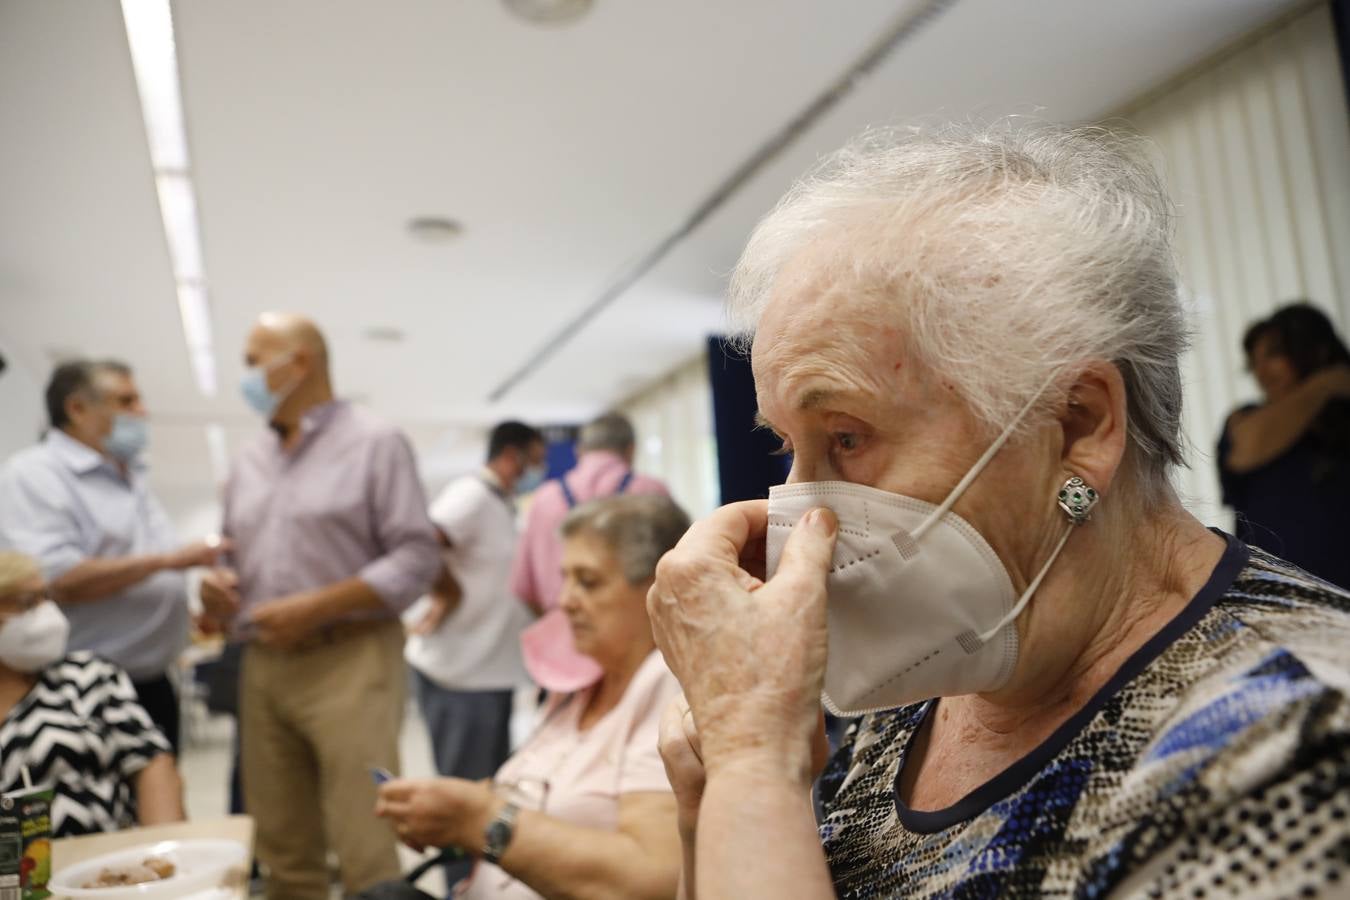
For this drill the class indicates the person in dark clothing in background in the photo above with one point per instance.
(1285, 464)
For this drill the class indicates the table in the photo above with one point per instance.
(72, 850)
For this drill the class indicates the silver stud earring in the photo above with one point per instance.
(1077, 500)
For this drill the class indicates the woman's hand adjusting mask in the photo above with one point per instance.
(749, 654)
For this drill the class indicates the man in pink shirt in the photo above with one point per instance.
(604, 468)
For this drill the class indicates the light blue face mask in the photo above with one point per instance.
(257, 394)
(129, 437)
(530, 479)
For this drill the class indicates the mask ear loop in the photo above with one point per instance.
(1031, 588)
(936, 515)
(1076, 499)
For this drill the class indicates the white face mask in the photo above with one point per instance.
(34, 639)
(919, 604)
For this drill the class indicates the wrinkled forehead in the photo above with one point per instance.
(817, 319)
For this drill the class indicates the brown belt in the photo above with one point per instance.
(341, 631)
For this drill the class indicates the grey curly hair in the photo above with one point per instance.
(638, 528)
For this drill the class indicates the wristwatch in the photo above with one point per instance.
(497, 836)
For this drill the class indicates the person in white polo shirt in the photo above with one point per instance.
(465, 644)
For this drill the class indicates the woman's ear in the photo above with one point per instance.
(1095, 425)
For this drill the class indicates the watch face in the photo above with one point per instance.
(498, 833)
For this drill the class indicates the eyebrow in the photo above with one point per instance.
(812, 399)
(815, 397)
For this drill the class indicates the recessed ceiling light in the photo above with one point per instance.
(549, 12)
(384, 333)
(434, 229)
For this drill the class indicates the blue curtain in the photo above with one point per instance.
(746, 464)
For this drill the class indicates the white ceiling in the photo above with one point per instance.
(318, 127)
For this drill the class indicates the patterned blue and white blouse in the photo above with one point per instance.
(1216, 763)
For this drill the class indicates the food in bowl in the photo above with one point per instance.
(152, 868)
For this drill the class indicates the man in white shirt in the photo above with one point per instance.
(465, 644)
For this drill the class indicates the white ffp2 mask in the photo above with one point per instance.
(34, 639)
(920, 606)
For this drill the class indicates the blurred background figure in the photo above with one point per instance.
(1285, 463)
(79, 503)
(604, 468)
(465, 644)
(72, 723)
(332, 543)
(584, 808)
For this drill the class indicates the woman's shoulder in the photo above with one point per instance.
(84, 668)
(87, 678)
(1282, 610)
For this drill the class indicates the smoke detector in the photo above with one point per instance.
(549, 12)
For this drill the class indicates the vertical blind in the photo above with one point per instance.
(675, 442)
(1255, 146)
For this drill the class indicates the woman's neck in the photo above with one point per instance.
(1099, 606)
(610, 688)
(1106, 599)
(14, 686)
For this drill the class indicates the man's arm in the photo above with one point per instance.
(99, 577)
(412, 557)
(446, 595)
(1261, 435)
(159, 792)
(389, 583)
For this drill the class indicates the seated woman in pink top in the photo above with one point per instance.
(583, 809)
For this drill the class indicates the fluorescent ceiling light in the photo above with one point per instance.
(154, 59)
(196, 317)
(155, 62)
(178, 207)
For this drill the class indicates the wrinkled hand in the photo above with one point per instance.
(286, 621)
(220, 599)
(438, 812)
(750, 655)
(681, 751)
(199, 553)
(438, 607)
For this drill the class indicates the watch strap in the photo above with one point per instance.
(499, 832)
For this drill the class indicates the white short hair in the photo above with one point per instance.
(1007, 253)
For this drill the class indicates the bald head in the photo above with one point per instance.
(291, 332)
(293, 354)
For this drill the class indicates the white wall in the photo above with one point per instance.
(674, 426)
(1256, 146)
(21, 413)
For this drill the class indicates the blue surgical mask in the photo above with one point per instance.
(257, 394)
(128, 438)
(530, 479)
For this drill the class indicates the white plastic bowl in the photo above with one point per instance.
(199, 865)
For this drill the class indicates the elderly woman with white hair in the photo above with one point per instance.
(968, 338)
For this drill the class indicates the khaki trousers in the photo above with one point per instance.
(313, 722)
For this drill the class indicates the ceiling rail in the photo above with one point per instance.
(905, 26)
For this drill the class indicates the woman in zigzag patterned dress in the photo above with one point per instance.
(71, 722)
